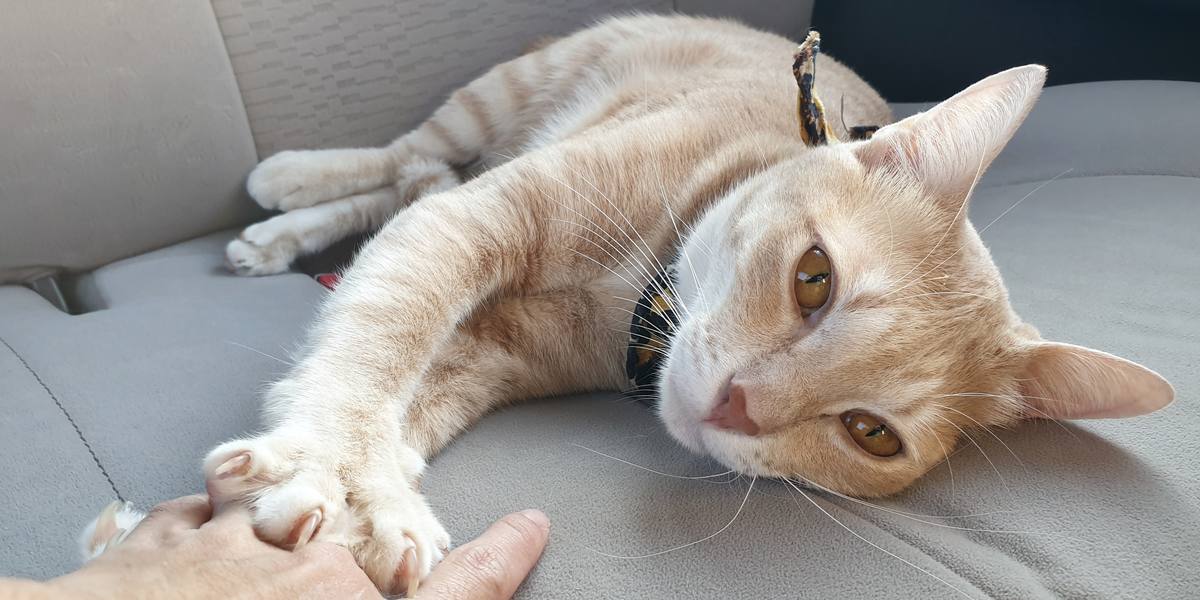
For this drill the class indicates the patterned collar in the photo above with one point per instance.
(654, 321)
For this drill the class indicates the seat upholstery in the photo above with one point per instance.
(119, 137)
(1103, 256)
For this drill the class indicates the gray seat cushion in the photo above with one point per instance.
(1103, 256)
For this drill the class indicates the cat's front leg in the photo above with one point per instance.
(335, 464)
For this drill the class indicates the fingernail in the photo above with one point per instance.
(228, 467)
(537, 516)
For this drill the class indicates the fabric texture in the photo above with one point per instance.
(119, 137)
(170, 363)
(362, 72)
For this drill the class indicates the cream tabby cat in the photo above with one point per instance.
(840, 320)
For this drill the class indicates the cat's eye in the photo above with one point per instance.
(871, 434)
(814, 280)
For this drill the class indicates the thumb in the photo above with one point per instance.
(494, 564)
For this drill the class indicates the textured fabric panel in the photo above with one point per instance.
(1104, 128)
(50, 486)
(361, 72)
(171, 368)
(123, 131)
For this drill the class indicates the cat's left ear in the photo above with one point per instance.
(1063, 381)
(948, 146)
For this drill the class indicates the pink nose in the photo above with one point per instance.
(730, 412)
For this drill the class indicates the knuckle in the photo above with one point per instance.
(332, 555)
(177, 504)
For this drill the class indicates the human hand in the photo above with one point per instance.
(181, 550)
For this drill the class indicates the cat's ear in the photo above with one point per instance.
(947, 147)
(1062, 381)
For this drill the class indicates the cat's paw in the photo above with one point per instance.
(262, 249)
(301, 178)
(296, 496)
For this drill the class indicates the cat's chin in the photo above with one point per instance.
(680, 420)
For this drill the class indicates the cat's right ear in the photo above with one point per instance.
(947, 147)
(1064, 381)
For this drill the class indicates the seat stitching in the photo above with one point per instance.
(985, 186)
(66, 414)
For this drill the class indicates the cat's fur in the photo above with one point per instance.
(608, 152)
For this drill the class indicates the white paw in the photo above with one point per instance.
(259, 250)
(301, 178)
(296, 496)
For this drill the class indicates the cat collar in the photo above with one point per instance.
(654, 321)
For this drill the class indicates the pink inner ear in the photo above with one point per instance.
(1063, 381)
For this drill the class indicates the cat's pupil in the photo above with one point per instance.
(818, 278)
(877, 431)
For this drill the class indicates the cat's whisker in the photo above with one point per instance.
(946, 293)
(617, 261)
(681, 246)
(987, 429)
(642, 248)
(985, 228)
(1024, 198)
(980, 448)
(915, 516)
(1024, 406)
(869, 542)
(946, 454)
(649, 470)
(623, 216)
(651, 327)
(595, 228)
(690, 544)
(257, 351)
(686, 256)
(604, 266)
(953, 222)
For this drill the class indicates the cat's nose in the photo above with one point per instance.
(730, 412)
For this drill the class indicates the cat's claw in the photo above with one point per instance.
(236, 466)
(301, 178)
(296, 498)
(304, 530)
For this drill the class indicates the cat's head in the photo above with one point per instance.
(842, 322)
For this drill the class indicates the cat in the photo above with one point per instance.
(835, 316)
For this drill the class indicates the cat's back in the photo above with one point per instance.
(644, 58)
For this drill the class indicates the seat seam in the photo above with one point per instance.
(65, 413)
(985, 186)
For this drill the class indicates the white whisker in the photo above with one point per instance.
(257, 351)
(649, 470)
(690, 544)
(873, 544)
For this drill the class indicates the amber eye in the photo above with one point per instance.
(871, 434)
(814, 280)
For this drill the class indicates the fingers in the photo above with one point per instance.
(494, 564)
(188, 512)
